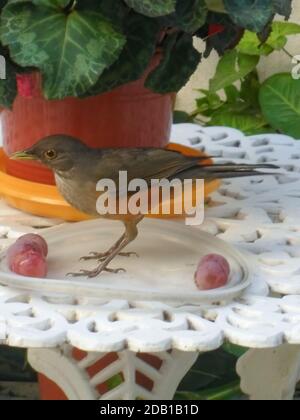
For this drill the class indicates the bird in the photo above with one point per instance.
(78, 168)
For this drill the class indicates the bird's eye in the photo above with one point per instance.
(51, 154)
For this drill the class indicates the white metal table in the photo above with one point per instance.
(260, 215)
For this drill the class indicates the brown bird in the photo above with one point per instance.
(78, 168)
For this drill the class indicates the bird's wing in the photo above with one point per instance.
(153, 163)
(144, 163)
(223, 171)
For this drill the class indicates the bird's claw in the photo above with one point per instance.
(95, 256)
(114, 270)
(101, 257)
(129, 254)
(97, 272)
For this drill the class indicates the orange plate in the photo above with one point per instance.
(45, 200)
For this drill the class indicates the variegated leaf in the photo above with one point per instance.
(141, 33)
(179, 62)
(152, 8)
(70, 49)
(250, 14)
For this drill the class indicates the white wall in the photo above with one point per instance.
(275, 63)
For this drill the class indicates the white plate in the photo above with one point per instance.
(169, 253)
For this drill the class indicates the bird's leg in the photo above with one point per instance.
(101, 256)
(129, 236)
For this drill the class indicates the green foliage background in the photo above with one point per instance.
(87, 47)
(237, 98)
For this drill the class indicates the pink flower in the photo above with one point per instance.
(215, 28)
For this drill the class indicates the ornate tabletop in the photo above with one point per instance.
(258, 215)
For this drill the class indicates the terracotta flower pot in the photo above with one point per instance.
(128, 116)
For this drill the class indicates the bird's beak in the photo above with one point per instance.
(24, 155)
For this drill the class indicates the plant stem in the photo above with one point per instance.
(287, 52)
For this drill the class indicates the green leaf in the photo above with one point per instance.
(250, 44)
(250, 14)
(180, 54)
(226, 392)
(280, 102)
(209, 103)
(51, 3)
(283, 7)
(115, 11)
(215, 5)
(232, 93)
(232, 66)
(191, 14)
(152, 8)
(8, 90)
(180, 117)
(211, 369)
(13, 365)
(114, 382)
(235, 350)
(248, 124)
(249, 91)
(280, 31)
(222, 41)
(71, 50)
(141, 35)
(8, 86)
(202, 106)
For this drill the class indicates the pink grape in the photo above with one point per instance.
(218, 259)
(212, 272)
(20, 248)
(34, 240)
(29, 264)
(27, 256)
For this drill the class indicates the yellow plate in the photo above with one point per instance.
(45, 200)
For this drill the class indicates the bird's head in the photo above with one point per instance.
(57, 152)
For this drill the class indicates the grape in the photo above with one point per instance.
(34, 241)
(27, 256)
(218, 259)
(212, 272)
(20, 248)
(29, 264)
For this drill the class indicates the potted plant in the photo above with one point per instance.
(105, 70)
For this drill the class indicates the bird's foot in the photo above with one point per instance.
(102, 256)
(95, 273)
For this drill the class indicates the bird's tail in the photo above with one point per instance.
(223, 171)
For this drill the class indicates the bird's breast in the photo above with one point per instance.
(79, 194)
